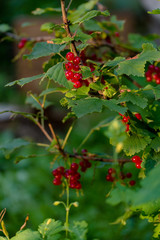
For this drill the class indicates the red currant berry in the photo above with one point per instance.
(69, 74)
(127, 127)
(69, 66)
(132, 183)
(78, 185)
(125, 119)
(77, 76)
(84, 151)
(77, 84)
(151, 67)
(129, 175)
(117, 34)
(20, 45)
(70, 56)
(55, 172)
(121, 114)
(74, 167)
(149, 78)
(156, 69)
(158, 81)
(76, 68)
(77, 176)
(59, 176)
(136, 159)
(109, 178)
(138, 116)
(76, 60)
(57, 181)
(111, 170)
(138, 165)
(155, 76)
(24, 40)
(88, 164)
(122, 176)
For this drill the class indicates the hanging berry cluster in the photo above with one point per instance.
(125, 120)
(137, 160)
(153, 74)
(72, 175)
(113, 176)
(22, 43)
(73, 70)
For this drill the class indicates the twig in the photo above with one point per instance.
(33, 39)
(56, 139)
(99, 159)
(66, 23)
(44, 131)
(69, 5)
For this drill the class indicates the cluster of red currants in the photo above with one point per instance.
(111, 176)
(71, 175)
(84, 163)
(125, 120)
(72, 70)
(153, 74)
(22, 43)
(137, 160)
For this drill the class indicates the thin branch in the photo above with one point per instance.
(67, 136)
(56, 139)
(69, 5)
(44, 131)
(97, 159)
(33, 39)
(66, 23)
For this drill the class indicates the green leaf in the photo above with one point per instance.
(157, 231)
(84, 106)
(112, 104)
(136, 40)
(39, 11)
(53, 90)
(156, 91)
(114, 62)
(50, 229)
(12, 145)
(27, 235)
(79, 230)
(155, 11)
(89, 105)
(83, 8)
(83, 37)
(91, 14)
(49, 27)
(86, 72)
(155, 144)
(62, 40)
(134, 144)
(92, 25)
(134, 98)
(21, 82)
(145, 194)
(5, 28)
(136, 66)
(119, 23)
(120, 194)
(56, 73)
(42, 49)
